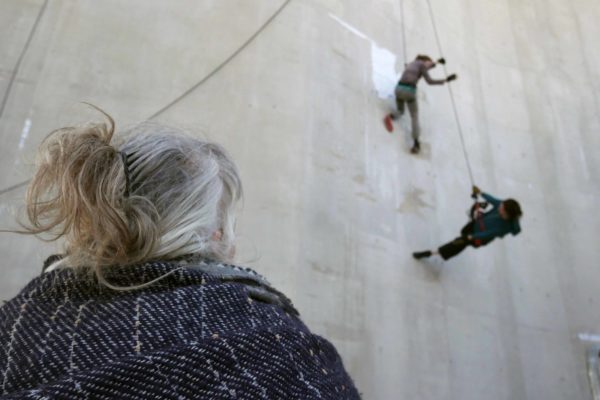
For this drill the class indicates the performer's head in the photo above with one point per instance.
(155, 193)
(425, 58)
(510, 209)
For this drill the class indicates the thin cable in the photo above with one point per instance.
(224, 63)
(456, 117)
(15, 71)
(195, 86)
(14, 187)
(403, 32)
(13, 77)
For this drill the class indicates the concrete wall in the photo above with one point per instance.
(334, 205)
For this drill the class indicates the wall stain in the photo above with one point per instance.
(337, 155)
(326, 168)
(360, 179)
(318, 268)
(413, 202)
(367, 196)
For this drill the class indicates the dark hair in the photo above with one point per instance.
(512, 208)
(423, 57)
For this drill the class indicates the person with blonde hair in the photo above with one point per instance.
(144, 303)
(406, 93)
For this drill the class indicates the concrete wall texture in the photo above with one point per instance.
(334, 204)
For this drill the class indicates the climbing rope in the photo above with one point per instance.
(227, 60)
(402, 19)
(456, 116)
(17, 66)
(13, 77)
(184, 94)
(14, 187)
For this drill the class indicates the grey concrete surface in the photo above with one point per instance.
(334, 205)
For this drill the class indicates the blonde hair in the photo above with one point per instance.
(158, 194)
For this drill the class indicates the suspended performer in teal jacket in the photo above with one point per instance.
(406, 92)
(484, 227)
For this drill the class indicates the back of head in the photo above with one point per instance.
(423, 57)
(512, 209)
(157, 194)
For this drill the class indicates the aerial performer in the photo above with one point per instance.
(483, 227)
(406, 92)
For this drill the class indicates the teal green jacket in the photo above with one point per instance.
(491, 225)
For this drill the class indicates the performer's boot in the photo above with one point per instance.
(422, 254)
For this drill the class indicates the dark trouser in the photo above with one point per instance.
(408, 96)
(454, 247)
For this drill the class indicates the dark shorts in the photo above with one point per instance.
(456, 246)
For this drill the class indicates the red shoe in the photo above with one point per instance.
(387, 121)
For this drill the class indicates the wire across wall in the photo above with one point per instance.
(167, 106)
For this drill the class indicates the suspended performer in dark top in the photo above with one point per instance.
(406, 92)
(484, 227)
(145, 303)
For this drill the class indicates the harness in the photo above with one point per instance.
(477, 217)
